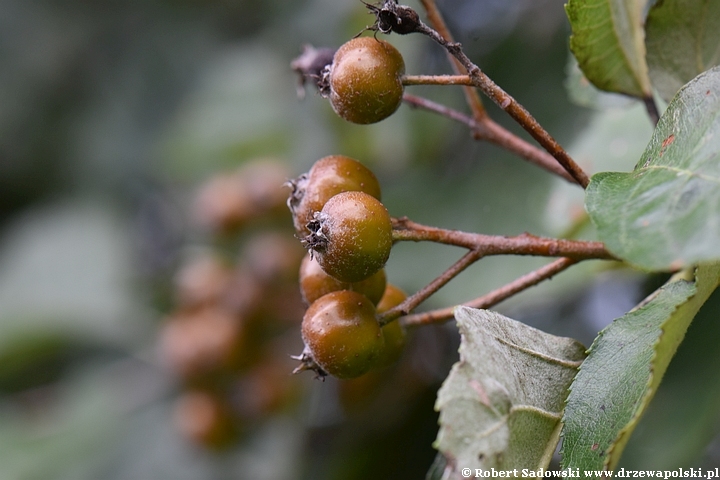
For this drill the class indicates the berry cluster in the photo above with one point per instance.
(236, 309)
(237, 305)
(338, 215)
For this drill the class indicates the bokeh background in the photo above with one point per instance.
(114, 114)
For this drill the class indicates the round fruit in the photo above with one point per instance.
(228, 201)
(201, 343)
(342, 335)
(314, 283)
(202, 280)
(205, 418)
(222, 204)
(351, 237)
(328, 176)
(393, 332)
(366, 80)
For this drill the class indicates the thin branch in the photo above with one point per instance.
(523, 117)
(488, 130)
(431, 106)
(492, 298)
(436, 80)
(416, 299)
(496, 134)
(471, 96)
(524, 244)
(510, 105)
(402, 19)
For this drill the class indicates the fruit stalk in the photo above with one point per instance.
(492, 298)
(524, 244)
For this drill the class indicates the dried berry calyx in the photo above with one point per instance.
(391, 17)
(309, 66)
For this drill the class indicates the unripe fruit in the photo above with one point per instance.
(366, 80)
(206, 419)
(223, 204)
(202, 343)
(351, 237)
(203, 280)
(228, 201)
(328, 176)
(393, 332)
(342, 335)
(314, 283)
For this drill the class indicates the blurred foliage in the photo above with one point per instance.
(111, 117)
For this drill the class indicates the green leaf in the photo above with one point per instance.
(239, 111)
(608, 41)
(624, 368)
(612, 140)
(502, 403)
(582, 92)
(682, 40)
(684, 416)
(666, 213)
(65, 271)
(86, 421)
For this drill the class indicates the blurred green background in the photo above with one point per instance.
(111, 116)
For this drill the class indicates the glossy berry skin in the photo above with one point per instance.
(366, 80)
(352, 236)
(393, 332)
(314, 283)
(328, 176)
(341, 333)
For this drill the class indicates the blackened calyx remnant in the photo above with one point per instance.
(391, 17)
(310, 66)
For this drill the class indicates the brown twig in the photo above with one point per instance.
(403, 19)
(480, 246)
(524, 244)
(471, 96)
(506, 102)
(421, 295)
(420, 102)
(496, 296)
(436, 80)
(492, 132)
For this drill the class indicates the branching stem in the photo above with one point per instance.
(492, 298)
(480, 246)
(486, 245)
(436, 80)
(511, 106)
(471, 95)
(486, 129)
(403, 20)
(421, 295)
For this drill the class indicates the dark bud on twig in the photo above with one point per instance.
(310, 66)
(391, 17)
